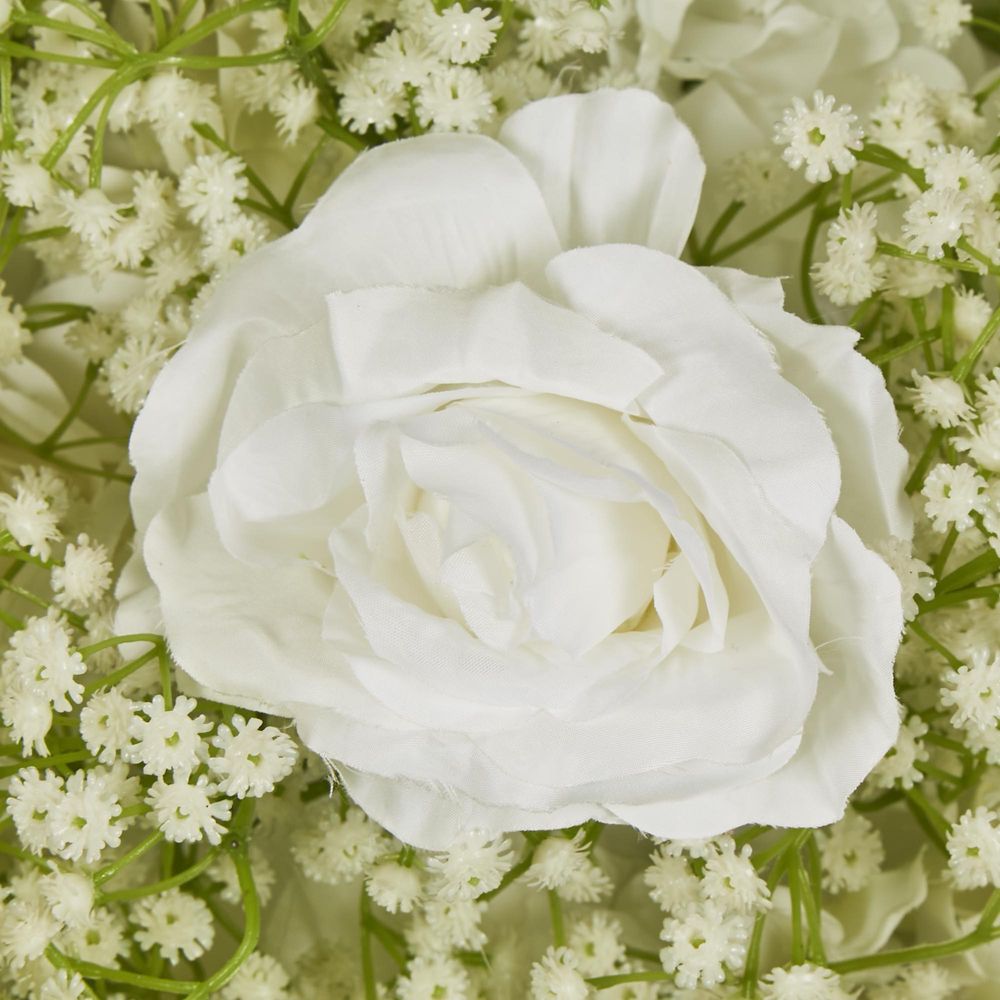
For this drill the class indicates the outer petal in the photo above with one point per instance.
(614, 166)
(456, 211)
(856, 627)
(850, 392)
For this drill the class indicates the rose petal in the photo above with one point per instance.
(403, 213)
(614, 166)
(850, 391)
(853, 722)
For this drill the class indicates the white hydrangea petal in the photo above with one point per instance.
(613, 166)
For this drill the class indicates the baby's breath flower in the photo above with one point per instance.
(820, 137)
(454, 923)
(957, 168)
(335, 850)
(803, 982)
(186, 813)
(31, 520)
(514, 82)
(209, 189)
(731, 881)
(83, 822)
(462, 36)
(935, 220)
(176, 923)
(260, 977)
(940, 21)
(971, 312)
(474, 864)
(922, 981)
(40, 657)
(904, 118)
(544, 37)
(168, 739)
(404, 58)
(982, 444)
(433, 976)
(106, 724)
(953, 493)
(395, 887)
(253, 759)
(27, 713)
(940, 401)
(25, 181)
(232, 238)
(456, 99)
(973, 690)
(70, 895)
(974, 849)
(295, 107)
(27, 927)
(703, 945)
(899, 764)
(916, 578)
(851, 853)
(100, 940)
(556, 977)
(172, 103)
(129, 372)
(757, 177)
(13, 334)
(672, 884)
(85, 575)
(91, 215)
(32, 800)
(63, 985)
(223, 871)
(597, 943)
(565, 866)
(368, 102)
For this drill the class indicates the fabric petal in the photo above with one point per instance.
(854, 720)
(454, 211)
(614, 166)
(850, 391)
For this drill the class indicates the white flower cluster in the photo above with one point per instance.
(710, 891)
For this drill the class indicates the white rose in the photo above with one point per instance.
(520, 518)
(752, 58)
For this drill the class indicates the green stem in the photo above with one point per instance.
(89, 377)
(949, 263)
(317, 36)
(937, 646)
(965, 364)
(118, 675)
(91, 970)
(367, 962)
(809, 198)
(985, 564)
(715, 233)
(883, 157)
(154, 888)
(916, 479)
(109, 871)
(251, 927)
(622, 978)
(556, 918)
